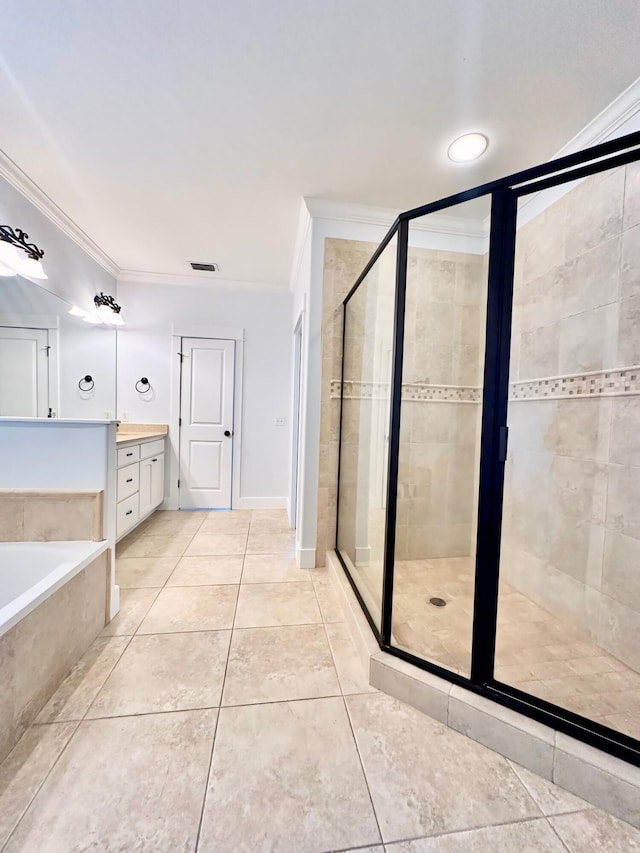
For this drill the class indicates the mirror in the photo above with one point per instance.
(46, 355)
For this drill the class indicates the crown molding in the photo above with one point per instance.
(196, 280)
(19, 180)
(613, 121)
(621, 116)
(435, 223)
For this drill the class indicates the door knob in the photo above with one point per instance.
(227, 433)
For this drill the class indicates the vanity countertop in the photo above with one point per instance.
(140, 432)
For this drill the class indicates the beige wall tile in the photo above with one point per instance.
(591, 280)
(545, 248)
(630, 262)
(623, 500)
(632, 196)
(628, 338)
(594, 211)
(581, 428)
(588, 341)
(539, 352)
(620, 575)
(50, 516)
(618, 631)
(11, 518)
(625, 431)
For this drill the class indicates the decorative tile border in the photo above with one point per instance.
(414, 392)
(617, 382)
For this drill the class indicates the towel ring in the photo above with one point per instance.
(88, 382)
(144, 382)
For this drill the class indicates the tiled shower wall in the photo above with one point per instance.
(444, 325)
(571, 527)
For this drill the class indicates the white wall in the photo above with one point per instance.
(145, 349)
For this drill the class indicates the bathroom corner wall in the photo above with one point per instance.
(571, 535)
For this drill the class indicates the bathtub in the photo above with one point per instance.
(53, 600)
(32, 571)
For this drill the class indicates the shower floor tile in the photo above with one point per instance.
(535, 651)
(304, 754)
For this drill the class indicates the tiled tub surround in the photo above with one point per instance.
(47, 515)
(269, 736)
(48, 624)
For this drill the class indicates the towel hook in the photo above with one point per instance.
(145, 383)
(88, 383)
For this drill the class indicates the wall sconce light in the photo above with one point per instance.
(108, 310)
(12, 262)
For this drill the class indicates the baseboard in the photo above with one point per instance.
(305, 558)
(260, 503)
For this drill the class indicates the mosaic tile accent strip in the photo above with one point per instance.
(617, 382)
(415, 392)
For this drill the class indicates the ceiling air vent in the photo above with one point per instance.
(205, 267)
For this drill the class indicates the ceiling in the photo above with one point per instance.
(189, 131)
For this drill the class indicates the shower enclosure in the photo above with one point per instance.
(489, 450)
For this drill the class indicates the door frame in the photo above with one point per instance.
(228, 333)
(46, 323)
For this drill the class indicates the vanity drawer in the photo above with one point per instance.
(128, 481)
(126, 514)
(151, 448)
(127, 455)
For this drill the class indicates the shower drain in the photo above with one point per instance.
(437, 602)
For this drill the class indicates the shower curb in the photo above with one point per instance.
(601, 779)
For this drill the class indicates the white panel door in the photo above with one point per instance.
(24, 373)
(206, 423)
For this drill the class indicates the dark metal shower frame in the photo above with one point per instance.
(504, 193)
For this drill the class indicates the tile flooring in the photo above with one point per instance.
(224, 709)
(535, 651)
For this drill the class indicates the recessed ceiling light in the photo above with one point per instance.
(468, 147)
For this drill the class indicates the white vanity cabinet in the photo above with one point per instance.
(140, 482)
(151, 490)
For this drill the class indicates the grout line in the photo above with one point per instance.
(215, 731)
(557, 834)
(453, 832)
(46, 776)
(210, 708)
(109, 674)
(362, 767)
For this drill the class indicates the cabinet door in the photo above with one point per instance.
(146, 487)
(157, 479)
